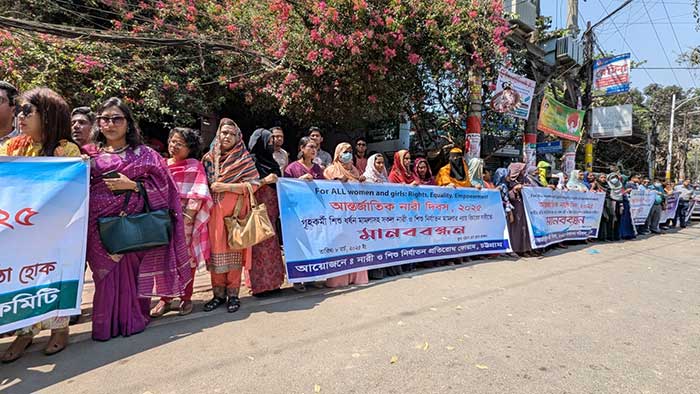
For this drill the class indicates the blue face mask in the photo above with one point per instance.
(346, 157)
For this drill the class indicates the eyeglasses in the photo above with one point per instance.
(26, 110)
(115, 120)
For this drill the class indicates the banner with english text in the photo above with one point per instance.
(332, 228)
(554, 216)
(43, 231)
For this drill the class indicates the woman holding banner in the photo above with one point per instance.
(609, 220)
(184, 146)
(575, 182)
(400, 169)
(229, 168)
(422, 172)
(342, 169)
(376, 173)
(123, 167)
(456, 172)
(44, 121)
(266, 271)
(305, 168)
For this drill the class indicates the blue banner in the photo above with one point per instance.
(43, 230)
(549, 147)
(332, 228)
(555, 216)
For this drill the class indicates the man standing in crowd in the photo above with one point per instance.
(361, 155)
(323, 158)
(280, 155)
(645, 184)
(683, 202)
(8, 93)
(655, 214)
(633, 183)
(81, 120)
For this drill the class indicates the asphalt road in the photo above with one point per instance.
(599, 318)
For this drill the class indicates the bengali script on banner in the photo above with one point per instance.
(670, 207)
(641, 202)
(43, 228)
(555, 216)
(332, 228)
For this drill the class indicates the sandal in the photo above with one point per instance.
(299, 287)
(160, 309)
(213, 304)
(57, 342)
(17, 349)
(185, 308)
(234, 303)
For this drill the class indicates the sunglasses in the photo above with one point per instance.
(115, 120)
(25, 110)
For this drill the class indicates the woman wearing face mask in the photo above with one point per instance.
(188, 173)
(343, 170)
(455, 173)
(44, 121)
(266, 272)
(229, 168)
(125, 283)
(422, 172)
(400, 170)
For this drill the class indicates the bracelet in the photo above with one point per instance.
(187, 216)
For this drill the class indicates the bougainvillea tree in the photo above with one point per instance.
(337, 60)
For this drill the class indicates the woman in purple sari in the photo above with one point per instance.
(124, 283)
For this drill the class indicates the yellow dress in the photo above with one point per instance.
(32, 149)
(443, 177)
(64, 149)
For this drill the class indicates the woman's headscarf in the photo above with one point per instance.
(533, 177)
(337, 171)
(261, 152)
(455, 173)
(398, 173)
(457, 165)
(561, 184)
(234, 166)
(516, 174)
(429, 178)
(371, 174)
(500, 177)
(542, 167)
(586, 181)
(476, 171)
(615, 186)
(575, 183)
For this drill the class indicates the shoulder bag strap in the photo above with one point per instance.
(142, 191)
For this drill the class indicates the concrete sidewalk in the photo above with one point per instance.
(202, 293)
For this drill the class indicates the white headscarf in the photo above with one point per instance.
(371, 174)
(575, 183)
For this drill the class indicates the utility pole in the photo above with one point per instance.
(588, 95)
(669, 156)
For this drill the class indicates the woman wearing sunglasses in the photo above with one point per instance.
(44, 121)
(124, 283)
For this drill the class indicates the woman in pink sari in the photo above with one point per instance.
(125, 283)
(188, 173)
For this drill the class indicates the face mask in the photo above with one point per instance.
(346, 157)
(657, 184)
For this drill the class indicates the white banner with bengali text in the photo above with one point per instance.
(43, 231)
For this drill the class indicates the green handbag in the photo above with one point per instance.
(132, 233)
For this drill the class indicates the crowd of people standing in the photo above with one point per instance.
(203, 194)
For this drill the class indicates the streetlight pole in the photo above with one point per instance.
(669, 156)
(674, 108)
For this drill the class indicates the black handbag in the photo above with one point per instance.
(132, 233)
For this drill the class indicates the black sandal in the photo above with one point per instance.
(213, 304)
(234, 303)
